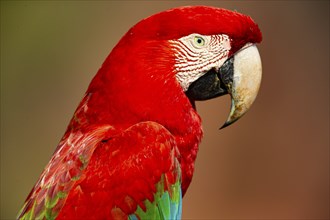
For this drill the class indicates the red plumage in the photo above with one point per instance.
(117, 168)
(108, 146)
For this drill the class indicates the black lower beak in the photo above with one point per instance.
(239, 76)
(212, 84)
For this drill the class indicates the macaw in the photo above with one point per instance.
(130, 148)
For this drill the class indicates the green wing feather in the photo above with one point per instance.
(65, 168)
(167, 202)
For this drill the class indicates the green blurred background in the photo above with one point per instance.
(272, 164)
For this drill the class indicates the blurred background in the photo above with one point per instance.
(272, 164)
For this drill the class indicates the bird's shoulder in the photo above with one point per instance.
(127, 173)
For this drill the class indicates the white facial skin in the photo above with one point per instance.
(196, 54)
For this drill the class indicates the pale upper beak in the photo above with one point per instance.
(247, 71)
(239, 76)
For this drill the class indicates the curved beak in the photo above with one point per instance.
(244, 85)
(239, 76)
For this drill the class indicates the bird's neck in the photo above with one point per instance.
(129, 96)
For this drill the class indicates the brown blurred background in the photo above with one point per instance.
(272, 164)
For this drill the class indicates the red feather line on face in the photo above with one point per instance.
(193, 61)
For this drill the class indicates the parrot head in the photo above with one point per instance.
(205, 52)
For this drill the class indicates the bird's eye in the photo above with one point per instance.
(199, 41)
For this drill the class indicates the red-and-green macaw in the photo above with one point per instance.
(129, 150)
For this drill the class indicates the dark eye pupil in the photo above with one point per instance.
(199, 40)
